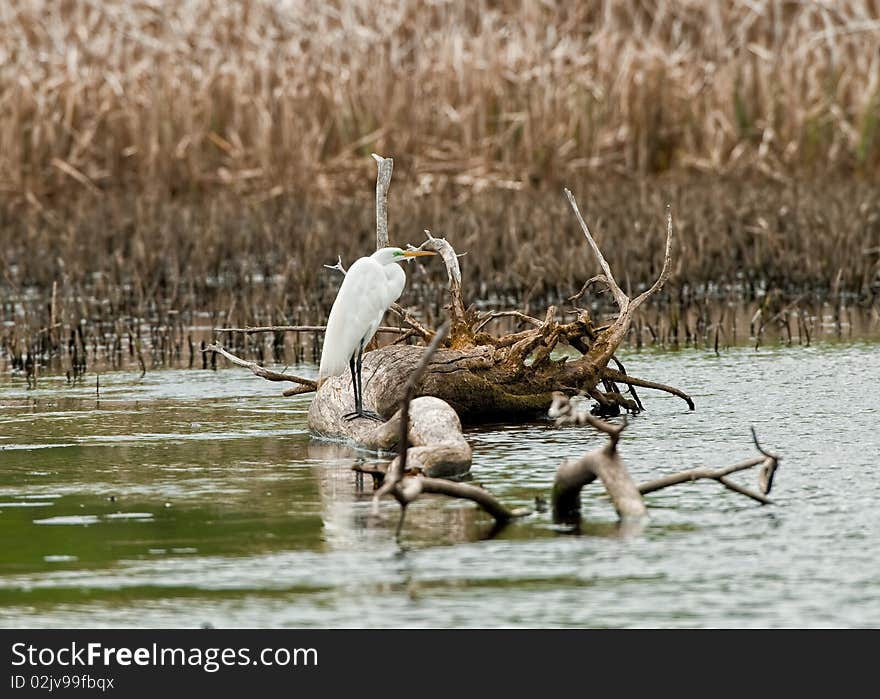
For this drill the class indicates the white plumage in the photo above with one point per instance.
(370, 286)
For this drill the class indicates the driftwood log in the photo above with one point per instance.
(486, 377)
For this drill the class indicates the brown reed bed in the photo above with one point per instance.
(272, 97)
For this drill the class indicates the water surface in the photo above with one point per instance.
(194, 497)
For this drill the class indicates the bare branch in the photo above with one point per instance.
(695, 474)
(297, 329)
(620, 377)
(413, 486)
(398, 469)
(411, 321)
(383, 181)
(466, 491)
(453, 271)
(262, 372)
(768, 470)
(564, 413)
(613, 431)
(338, 266)
(632, 388)
(506, 314)
(768, 462)
(587, 284)
(297, 391)
(759, 447)
(742, 490)
(405, 336)
(620, 298)
(664, 273)
(603, 463)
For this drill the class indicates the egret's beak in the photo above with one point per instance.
(418, 253)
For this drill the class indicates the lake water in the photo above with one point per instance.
(192, 498)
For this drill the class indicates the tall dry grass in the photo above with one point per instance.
(271, 97)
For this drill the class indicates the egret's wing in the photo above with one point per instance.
(355, 316)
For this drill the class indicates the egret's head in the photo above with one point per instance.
(386, 256)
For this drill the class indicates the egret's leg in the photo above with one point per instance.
(354, 383)
(360, 376)
(360, 363)
(356, 388)
(359, 404)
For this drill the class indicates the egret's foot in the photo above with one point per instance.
(369, 414)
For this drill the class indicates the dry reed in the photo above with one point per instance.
(269, 97)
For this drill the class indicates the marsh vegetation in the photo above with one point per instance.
(160, 162)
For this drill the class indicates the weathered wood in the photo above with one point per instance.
(475, 382)
(482, 383)
(453, 272)
(606, 465)
(695, 474)
(297, 329)
(409, 391)
(260, 371)
(438, 446)
(383, 181)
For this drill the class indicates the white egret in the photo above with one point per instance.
(370, 286)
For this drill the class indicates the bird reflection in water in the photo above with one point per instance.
(350, 520)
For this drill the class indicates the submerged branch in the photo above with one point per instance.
(695, 474)
(606, 465)
(769, 463)
(466, 491)
(742, 490)
(399, 466)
